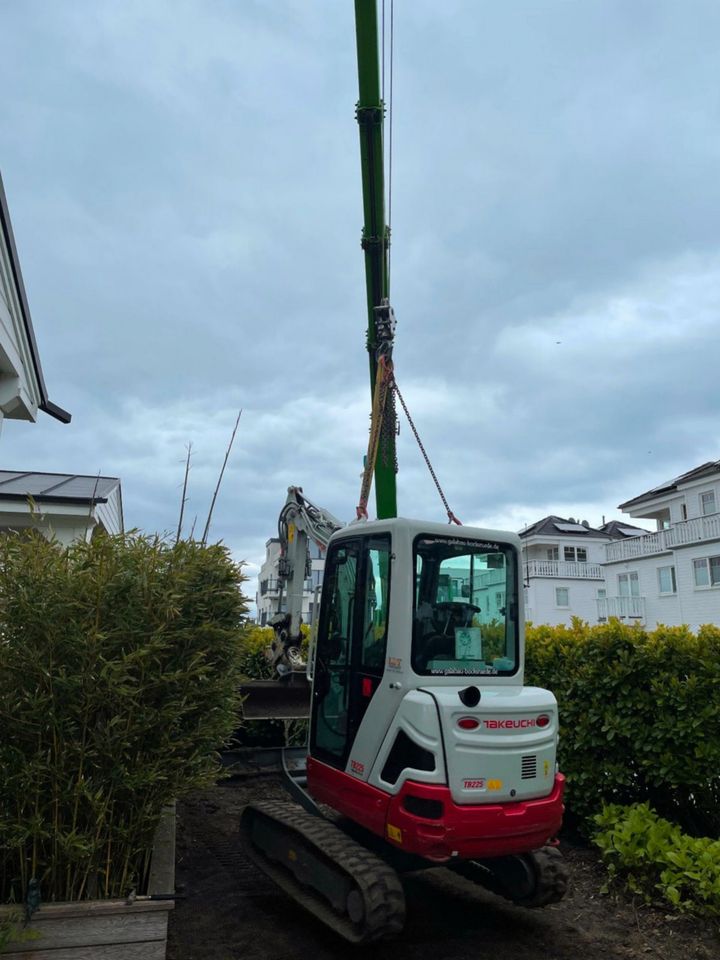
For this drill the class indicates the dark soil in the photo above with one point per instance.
(231, 910)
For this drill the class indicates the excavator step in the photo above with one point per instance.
(351, 890)
(276, 699)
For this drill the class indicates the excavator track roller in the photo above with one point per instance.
(530, 880)
(351, 890)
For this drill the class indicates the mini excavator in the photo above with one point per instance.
(425, 747)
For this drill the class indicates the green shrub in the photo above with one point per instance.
(118, 684)
(652, 857)
(639, 716)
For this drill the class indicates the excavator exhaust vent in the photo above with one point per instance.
(529, 768)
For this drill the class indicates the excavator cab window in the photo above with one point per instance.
(465, 617)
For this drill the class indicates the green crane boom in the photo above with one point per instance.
(375, 235)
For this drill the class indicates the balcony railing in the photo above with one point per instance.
(624, 608)
(693, 531)
(678, 535)
(570, 569)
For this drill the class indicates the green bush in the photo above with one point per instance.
(653, 857)
(118, 684)
(639, 716)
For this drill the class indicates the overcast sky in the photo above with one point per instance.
(184, 184)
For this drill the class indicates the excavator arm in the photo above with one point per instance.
(300, 521)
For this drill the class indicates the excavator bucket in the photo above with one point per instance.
(277, 699)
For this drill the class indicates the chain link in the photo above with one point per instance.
(451, 516)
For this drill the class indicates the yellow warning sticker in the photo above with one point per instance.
(291, 532)
(394, 833)
(546, 767)
(494, 784)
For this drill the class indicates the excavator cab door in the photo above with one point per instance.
(351, 642)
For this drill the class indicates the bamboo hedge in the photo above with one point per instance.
(119, 667)
(639, 717)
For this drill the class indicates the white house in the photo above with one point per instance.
(671, 576)
(562, 568)
(61, 505)
(271, 599)
(22, 386)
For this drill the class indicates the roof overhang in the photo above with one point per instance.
(45, 404)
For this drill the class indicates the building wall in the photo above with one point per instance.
(541, 601)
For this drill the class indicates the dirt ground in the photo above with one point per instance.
(231, 910)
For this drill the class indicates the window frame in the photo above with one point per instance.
(703, 511)
(673, 578)
(707, 561)
(562, 606)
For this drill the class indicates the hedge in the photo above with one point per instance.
(639, 716)
(119, 667)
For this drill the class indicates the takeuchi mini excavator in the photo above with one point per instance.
(425, 747)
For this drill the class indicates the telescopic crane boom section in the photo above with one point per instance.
(370, 113)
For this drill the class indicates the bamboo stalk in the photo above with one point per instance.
(217, 487)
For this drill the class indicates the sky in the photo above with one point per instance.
(184, 185)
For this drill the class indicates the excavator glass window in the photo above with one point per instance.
(351, 643)
(465, 615)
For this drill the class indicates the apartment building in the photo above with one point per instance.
(671, 575)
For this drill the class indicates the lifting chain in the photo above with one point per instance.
(451, 516)
(385, 390)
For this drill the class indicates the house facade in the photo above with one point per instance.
(63, 506)
(562, 570)
(672, 575)
(271, 596)
(22, 386)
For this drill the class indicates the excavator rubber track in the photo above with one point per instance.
(351, 890)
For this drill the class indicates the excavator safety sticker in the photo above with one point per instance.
(394, 663)
(394, 833)
(357, 767)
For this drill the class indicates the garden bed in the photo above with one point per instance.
(107, 929)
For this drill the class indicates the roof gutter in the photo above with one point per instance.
(45, 404)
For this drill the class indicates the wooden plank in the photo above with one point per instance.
(93, 908)
(154, 950)
(88, 931)
(162, 865)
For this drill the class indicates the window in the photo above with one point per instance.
(666, 580)
(628, 585)
(683, 511)
(707, 503)
(376, 606)
(572, 554)
(465, 617)
(562, 597)
(602, 594)
(707, 572)
(552, 553)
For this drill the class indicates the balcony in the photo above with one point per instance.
(624, 608)
(678, 535)
(569, 569)
(693, 531)
(269, 586)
